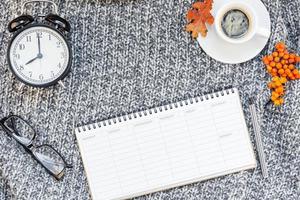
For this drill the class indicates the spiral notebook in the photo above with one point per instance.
(165, 147)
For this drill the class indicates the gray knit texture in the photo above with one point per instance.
(131, 55)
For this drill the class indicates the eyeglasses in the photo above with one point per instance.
(24, 134)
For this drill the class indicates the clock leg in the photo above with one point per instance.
(61, 84)
(21, 86)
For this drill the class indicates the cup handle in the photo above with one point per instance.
(263, 32)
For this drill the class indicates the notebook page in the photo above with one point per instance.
(167, 149)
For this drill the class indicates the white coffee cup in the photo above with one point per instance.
(253, 28)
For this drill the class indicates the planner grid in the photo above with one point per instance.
(166, 147)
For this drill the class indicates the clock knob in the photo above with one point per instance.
(55, 7)
(61, 84)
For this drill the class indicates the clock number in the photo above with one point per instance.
(59, 65)
(21, 46)
(41, 77)
(30, 74)
(52, 74)
(49, 37)
(40, 35)
(58, 44)
(20, 67)
(28, 38)
(17, 56)
(62, 55)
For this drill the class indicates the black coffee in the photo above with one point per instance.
(235, 23)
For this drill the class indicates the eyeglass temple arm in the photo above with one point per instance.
(67, 164)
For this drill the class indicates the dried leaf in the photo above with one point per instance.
(198, 16)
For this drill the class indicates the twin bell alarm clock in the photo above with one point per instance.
(39, 54)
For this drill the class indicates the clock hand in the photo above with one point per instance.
(39, 44)
(30, 61)
(39, 56)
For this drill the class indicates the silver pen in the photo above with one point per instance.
(1, 37)
(258, 139)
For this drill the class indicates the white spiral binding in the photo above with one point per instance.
(152, 111)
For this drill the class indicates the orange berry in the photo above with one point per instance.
(280, 45)
(295, 71)
(276, 59)
(269, 68)
(291, 67)
(275, 54)
(281, 93)
(292, 56)
(283, 62)
(285, 66)
(276, 78)
(275, 95)
(280, 50)
(270, 57)
(272, 64)
(281, 100)
(274, 70)
(278, 65)
(297, 76)
(281, 54)
(266, 62)
(284, 75)
(264, 58)
(279, 90)
(286, 56)
(281, 71)
(270, 85)
(277, 103)
(291, 60)
(273, 98)
(277, 83)
(297, 59)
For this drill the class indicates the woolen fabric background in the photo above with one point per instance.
(130, 55)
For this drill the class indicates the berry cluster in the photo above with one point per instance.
(281, 65)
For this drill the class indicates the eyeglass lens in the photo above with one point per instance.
(20, 129)
(49, 158)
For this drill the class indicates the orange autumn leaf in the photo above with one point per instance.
(198, 16)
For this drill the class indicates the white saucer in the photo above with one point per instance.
(226, 52)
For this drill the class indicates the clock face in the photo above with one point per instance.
(39, 56)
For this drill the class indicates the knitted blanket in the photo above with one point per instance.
(131, 55)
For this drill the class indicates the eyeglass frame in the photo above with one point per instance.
(29, 148)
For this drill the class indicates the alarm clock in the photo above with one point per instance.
(39, 54)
